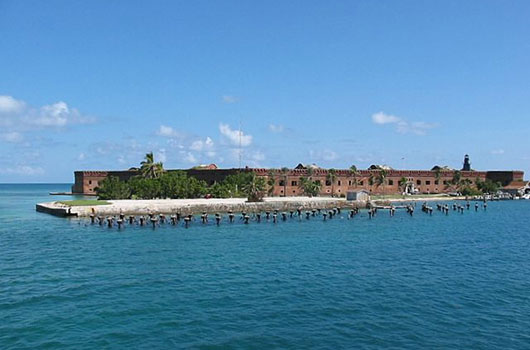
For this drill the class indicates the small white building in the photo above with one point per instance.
(517, 188)
(361, 195)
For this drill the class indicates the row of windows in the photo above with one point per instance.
(361, 183)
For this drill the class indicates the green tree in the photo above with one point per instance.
(457, 177)
(271, 182)
(371, 180)
(437, 174)
(354, 172)
(403, 184)
(309, 187)
(255, 188)
(149, 169)
(218, 190)
(381, 178)
(309, 172)
(143, 188)
(235, 183)
(331, 177)
(285, 172)
(488, 186)
(112, 188)
(178, 184)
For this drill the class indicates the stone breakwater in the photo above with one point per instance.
(197, 206)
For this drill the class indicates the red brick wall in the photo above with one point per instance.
(87, 181)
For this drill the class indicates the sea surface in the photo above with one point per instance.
(460, 281)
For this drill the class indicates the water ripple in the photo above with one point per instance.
(424, 282)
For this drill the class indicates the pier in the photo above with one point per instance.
(275, 217)
(200, 206)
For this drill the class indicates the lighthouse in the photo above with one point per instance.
(467, 164)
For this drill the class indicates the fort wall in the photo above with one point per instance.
(287, 182)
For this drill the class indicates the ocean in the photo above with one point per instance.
(460, 281)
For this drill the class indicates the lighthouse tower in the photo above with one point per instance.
(467, 164)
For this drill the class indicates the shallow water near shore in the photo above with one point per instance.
(456, 281)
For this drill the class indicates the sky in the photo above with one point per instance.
(95, 85)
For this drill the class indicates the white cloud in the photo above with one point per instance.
(129, 152)
(199, 145)
(418, 128)
(53, 115)
(9, 104)
(382, 118)
(81, 156)
(402, 126)
(17, 115)
(190, 158)
(235, 137)
(13, 137)
(160, 156)
(167, 131)
(230, 99)
(497, 152)
(121, 160)
(276, 128)
(22, 170)
(257, 156)
(325, 155)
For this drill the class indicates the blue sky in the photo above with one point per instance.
(96, 85)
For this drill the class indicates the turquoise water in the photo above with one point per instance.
(457, 281)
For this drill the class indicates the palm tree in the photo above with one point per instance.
(371, 181)
(354, 172)
(437, 174)
(381, 177)
(331, 177)
(309, 187)
(149, 168)
(403, 184)
(284, 171)
(255, 188)
(271, 182)
(309, 172)
(457, 179)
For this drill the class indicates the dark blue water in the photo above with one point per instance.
(457, 281)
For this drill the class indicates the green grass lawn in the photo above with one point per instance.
(84, 202)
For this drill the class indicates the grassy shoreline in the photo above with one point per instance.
(84, 202)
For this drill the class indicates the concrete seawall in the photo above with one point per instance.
(197, 206)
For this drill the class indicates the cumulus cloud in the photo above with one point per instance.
(382, 118)
(276, 128)
(190, 149)
(235, 137)
(167, 131)
(10, 105)
(230, 99)
(199, 145)
(57, 114)
(18, 115)
(402, 126)
(190, 158)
